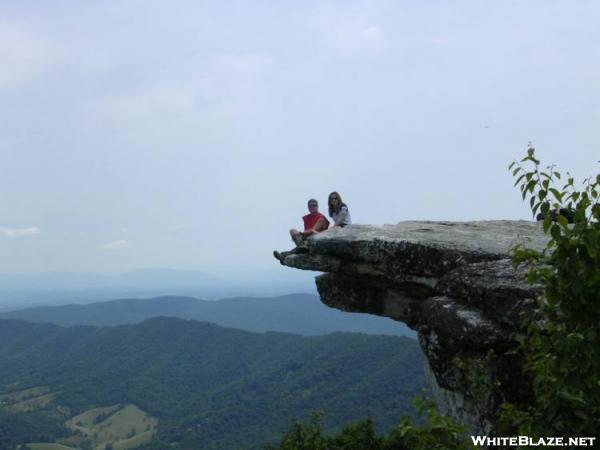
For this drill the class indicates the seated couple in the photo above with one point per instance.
(315, 222)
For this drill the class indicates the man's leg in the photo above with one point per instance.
(298, 239)
(300, 242)
(282, 255)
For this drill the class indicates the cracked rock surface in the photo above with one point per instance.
(452, 282)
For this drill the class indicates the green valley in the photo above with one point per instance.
(193, 384)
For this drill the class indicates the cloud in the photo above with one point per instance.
(223, 84)
(176, 230)
(116, 246)
(152, 100)
(12, 233)
(347, 32)
(240, 65)
(373, 36)
(24, 55)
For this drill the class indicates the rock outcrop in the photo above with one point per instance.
(454, 283)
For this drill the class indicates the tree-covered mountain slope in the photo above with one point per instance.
(209, 386)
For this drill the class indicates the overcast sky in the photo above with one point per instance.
(189, 134)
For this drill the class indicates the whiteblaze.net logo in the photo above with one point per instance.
(526, 441)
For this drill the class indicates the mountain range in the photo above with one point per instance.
(297, 313)
(20, 290)
(206, 386)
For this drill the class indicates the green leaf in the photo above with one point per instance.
(562, 220)
(555, 232)
(530, 185)
(519, 179)
(547, 223)
(570, 397)
(557, 195)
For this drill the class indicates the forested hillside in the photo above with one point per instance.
(208, 386)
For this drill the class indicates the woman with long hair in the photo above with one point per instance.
(338, 210)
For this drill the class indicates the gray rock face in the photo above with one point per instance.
(452, 282)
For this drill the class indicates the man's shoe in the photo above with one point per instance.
(277, 255)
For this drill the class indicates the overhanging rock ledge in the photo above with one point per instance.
(452, 282)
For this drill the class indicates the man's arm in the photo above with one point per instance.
(321, 225)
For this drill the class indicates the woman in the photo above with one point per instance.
(338, 210)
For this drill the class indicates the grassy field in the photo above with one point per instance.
(123, 426)
(25, 394)
(88, 418)
(135, 441)
(28, 399)
(34, 403)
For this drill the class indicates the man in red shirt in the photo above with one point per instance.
(314, 223)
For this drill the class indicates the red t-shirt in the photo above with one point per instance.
(310, 220)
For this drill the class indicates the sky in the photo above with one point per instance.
(190, 134)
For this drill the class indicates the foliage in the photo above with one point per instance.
(439, 432)
(561, 345)
(214, 387)
(33, 426)
(304, 436)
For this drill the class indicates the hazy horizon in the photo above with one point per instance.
(186, 135)
(53, 288)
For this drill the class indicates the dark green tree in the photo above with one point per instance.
(439, 432)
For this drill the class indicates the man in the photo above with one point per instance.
(314, 223)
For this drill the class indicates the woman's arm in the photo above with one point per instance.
(341, 216)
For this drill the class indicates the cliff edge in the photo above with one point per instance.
(452, 282)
